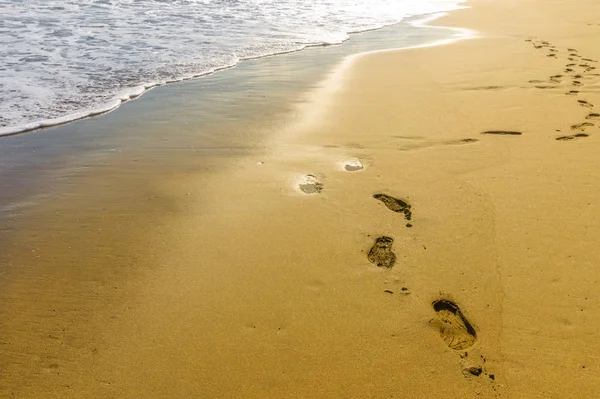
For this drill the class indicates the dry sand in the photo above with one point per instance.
(255, 289)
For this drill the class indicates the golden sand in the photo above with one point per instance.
(261, 282)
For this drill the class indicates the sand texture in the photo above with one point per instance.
(425, 226)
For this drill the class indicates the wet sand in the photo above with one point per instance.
(443, 245)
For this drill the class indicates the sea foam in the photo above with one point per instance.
(71, 59)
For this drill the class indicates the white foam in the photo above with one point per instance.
(77, 58)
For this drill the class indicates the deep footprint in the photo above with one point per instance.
(353, 166)
(395, 204)
(310, 185)
(454, 327)
(381, 253)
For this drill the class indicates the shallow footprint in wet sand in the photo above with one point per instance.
(582, 126)
(593, 115)
(395, 204)
(381, 252)
(454, 327)
(572, 137)
(310, 185)
(503, 132)
(353, 166)
(556, 78)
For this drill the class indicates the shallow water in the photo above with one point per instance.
(62, 60)
(180, 126)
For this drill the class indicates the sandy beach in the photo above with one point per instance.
(422, 225)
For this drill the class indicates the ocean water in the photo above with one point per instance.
(67, 59)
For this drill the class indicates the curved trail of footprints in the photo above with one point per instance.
(577, 70)
(454, 328)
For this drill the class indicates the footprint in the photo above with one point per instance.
(571, 50)
(572, 92)
(593, 115)
(472, 371)
(588, 60)
(570, 65)
(586, 104)
(310, 185)
(577, 83)
(567, 70)
(582, 126)
(552, 55)
(381, 252)
(556, 78)
(353, 166)
(575, 136)
(454, 327)
(462, 141)
(395, 204)
(503, 132)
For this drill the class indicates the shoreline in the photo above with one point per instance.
(135, 92)
(205, 114)
(234, 281)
